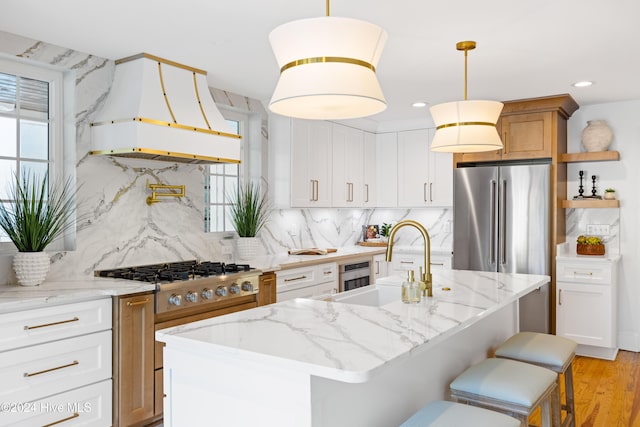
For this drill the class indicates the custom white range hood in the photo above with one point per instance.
(161, 110)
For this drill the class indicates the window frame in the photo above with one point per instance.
(57, 172)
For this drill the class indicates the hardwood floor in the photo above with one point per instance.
(607, 393)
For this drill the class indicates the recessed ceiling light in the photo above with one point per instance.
(419, 104)
(582, 84)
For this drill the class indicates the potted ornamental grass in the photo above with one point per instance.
(589, 245)
(38, 214)
(249, 213)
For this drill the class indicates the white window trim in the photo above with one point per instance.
(61, 134)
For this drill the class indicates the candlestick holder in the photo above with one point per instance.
(581, 187)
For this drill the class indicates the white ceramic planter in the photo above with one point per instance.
(597, 136)
(248, 247)
(31, 267)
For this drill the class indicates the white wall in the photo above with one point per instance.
(624, 176)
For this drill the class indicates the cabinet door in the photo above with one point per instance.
(267, 290)
(413, 165)
(584, 313)
(440, 191)
(379, 268)
(134, 369)
(369, 186)
(526, 136)
(348, 166)
(387, 170)
(310, 163)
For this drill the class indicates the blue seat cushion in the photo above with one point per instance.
(537, 348)
(451, 414)
(506, 380)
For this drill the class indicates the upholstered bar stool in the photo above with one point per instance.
(450, 414)
(511, 387)
(549, 351)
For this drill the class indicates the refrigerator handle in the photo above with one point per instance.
(503, 223)
(492, 223)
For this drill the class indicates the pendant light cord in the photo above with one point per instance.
(466, 46)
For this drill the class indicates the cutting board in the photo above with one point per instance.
(312, 251)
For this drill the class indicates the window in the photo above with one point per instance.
(30, 125)
(221, 182)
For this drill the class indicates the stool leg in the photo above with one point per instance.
(568, 385)
(546, 412)
(556, 407)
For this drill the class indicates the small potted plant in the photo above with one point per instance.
(610, 194)
(249, 212)
(38, 214)
(589, 245)
(385, 229)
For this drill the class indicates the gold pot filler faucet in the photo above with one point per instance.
(427, 283)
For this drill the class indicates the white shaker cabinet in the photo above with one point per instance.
(347, 167)
(379, 267)
(55, 365)
(311, 163)
(425, 178)
(314, 281)
(387, 170)
(370, 184)
(586, 299)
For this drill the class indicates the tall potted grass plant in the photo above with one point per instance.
(38, 215)
(249, 212)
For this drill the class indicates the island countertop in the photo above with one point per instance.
(348, 342)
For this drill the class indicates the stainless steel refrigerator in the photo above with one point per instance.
(501, 223)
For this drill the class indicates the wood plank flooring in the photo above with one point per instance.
(607, 393)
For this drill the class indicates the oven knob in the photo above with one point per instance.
(234, 288)
(207, 293)
(247, 286)
(191, 296)
(175, 299)
(221, 291)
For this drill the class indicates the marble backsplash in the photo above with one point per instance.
(579, 219)
(117, 228)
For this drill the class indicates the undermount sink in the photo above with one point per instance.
(372, 295)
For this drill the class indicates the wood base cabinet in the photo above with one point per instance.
(267, 292)
(133, 368)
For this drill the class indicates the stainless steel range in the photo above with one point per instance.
(187, 285)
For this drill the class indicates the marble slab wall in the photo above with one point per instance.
(117, 228)
(579, 219)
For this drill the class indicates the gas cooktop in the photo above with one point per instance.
(174, 271)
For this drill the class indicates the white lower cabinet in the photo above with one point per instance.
(59, 369)
(315, 281)
(586, 304)
(379, 267)
(401, 262)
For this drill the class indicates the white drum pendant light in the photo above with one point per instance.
(327, 68)
(466, 126)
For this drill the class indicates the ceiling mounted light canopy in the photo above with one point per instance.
(327, 68)
(466, 126)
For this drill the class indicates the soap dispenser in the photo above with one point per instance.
(410, 289)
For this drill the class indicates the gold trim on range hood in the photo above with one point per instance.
(142, 137)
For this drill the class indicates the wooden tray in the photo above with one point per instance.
(312, 251)
(372, 244)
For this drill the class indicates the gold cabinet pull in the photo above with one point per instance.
(559, 296)
(75, 319)
(134, 303)
(33, 374)
(295, 278)
(75, 415)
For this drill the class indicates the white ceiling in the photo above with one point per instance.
(525, 48)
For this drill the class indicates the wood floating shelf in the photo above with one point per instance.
(592, 156)
(591, 203)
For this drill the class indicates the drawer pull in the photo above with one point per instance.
(579, 273)
(295, 278)
(326, 273)
(559, 296)
(75, 415)
(438, 263)
(406, 262)
(134, 303)
(75, 319)
(33, 374)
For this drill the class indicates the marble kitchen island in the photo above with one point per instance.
(319, 363)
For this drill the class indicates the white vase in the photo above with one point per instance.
(248, 247)
(597, 136)
(31, 267)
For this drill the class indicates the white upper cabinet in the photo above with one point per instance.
(311, 163)
(386, 170)
(369, 162)
(348, 167)
(425, 178)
